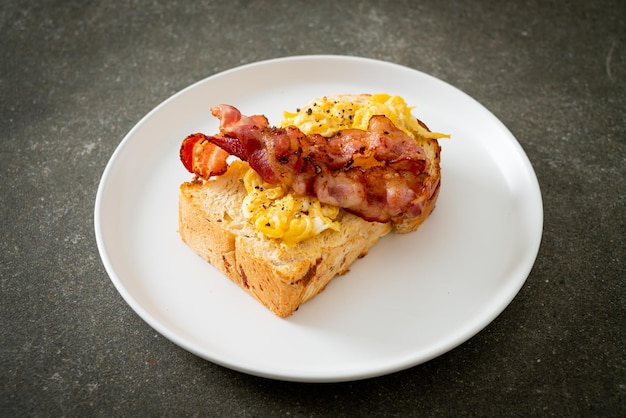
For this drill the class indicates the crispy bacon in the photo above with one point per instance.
(377, 174)
(202, 157)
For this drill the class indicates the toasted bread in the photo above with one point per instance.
(280, 276)
(283, 276)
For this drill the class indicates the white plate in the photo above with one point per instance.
(411, 299)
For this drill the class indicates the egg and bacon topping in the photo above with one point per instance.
(303, 171)
(277, 213)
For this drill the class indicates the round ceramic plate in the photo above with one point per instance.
(412, 298)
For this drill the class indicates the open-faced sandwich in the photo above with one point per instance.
(306, 198)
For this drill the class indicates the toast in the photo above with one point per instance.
(280, 275)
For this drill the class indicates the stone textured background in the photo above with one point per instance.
(75, 76)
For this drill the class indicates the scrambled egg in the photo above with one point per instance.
(278, 214)
(326, 117)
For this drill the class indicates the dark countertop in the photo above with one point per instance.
(75, 78)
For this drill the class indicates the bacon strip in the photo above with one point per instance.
(377, 174)
(201, 156)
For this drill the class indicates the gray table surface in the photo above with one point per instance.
(75, 77)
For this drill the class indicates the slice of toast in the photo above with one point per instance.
(283, 276)
(280, 276)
